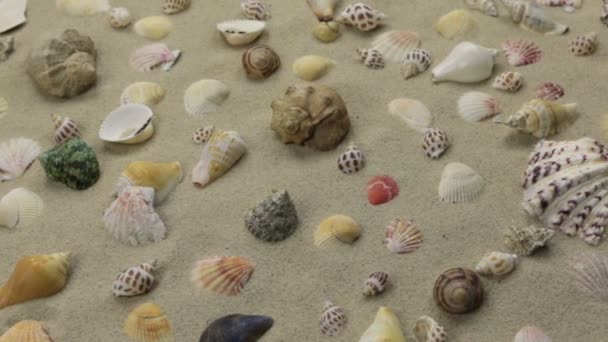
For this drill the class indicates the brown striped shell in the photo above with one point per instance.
(260, 62)
(135, 280)
(458, 290)
(65, 128)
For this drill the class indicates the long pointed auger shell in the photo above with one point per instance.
(223, 275)
(386, 327)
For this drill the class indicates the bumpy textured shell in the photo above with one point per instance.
(458, 290)
(148, 323)
(175, 6)
(237, 327)
(333, 319)
(361, 16)
(274, 219)
(312, 115)
(64, 66)
(371, 58)
(525, 241)
(220, 154)
(435, 142)
(415, 62)
(583, 45)
(540, 118)
(510, 81)
(26, 331)
(134, 281)
(351, 160)
(72, 163)
(260, 62)
(375, 283)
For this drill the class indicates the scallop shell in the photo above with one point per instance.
(16, 157)
(475, 106)
(375, 283)
(351, 160)
(591, 275)
(311, 67)
(487, 7)
(531, 334)
(326, 31)
(415, 62)
(128, 124)
(256, 9)
(413, 112)
(223, 275)
(403, 236)
(148, 57)
(550, 91)
(135, 280)
(371, 58)
(386, 327)
(3, 107)
(583, 45)
(525, 241)
(435, 143)
(175, 6)
(496, 264)
(153, 28)
(82, 7)
(333, 319)
(381, 189)
(260, 62)
(205, 96)
(455, 23)
(131, 218)
(26, 331)
(163, 177)
(394, 45)
(427, 329)
(459, 183)
(336, 228)
(202, 135)
(146, 93)
(35, 276)
(458, 290)
(323, 9)
(220, 154)
(361, 16)
(148, 323)
(119, 17)
(521, 52)
(65, 128)
(540, 118)
(241, 32)
(20, 208)
(509, 81)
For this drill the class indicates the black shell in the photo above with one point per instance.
(274, 219)
(237, 328)
(72, 163)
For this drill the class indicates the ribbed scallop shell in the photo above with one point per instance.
(148, 323)
(175, 6)
(260, 62)
(371, 58)
(550, 91)
(351, 160)
(415, 62)
(153, 28)
(591, 275)
(26, 331)
(427, 329)
(413, 112)
(435, 142)
(146, 93)
(361, 16)
(540, 118)
(583, 45)
(510, 81)
(119, 17)
(333, 319)
(531, 334)
(336, 228)
(459, 183)
(220, 154)
(375, 283)
(148, 57)
(487, 7)
(20, 208)
(16, 156)
(311, 67)
(135, 280)
(496, 264)
(458, 290)
(205, 96)
(163, 177)
(394, 45)
(202, 135)
(381, 189)
(476, 106)
(241, 32)
(223, 275)
(256, 9)
(403, 236)
(455, 23)
(65, 128)
(521, 52)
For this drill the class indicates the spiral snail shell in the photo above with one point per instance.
(458, 290)
(260, 62)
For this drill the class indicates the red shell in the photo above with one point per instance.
(381, 189)
(521, 52)
(549, 91)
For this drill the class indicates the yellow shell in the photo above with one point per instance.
(146, 93)
(311, 67)
(455, 23)
(163, 177)
(34, 277)
(148, 323)
(154, 27)
(326, 31)
(386, 327)
(336, 228)
(26, 331)
(220, 154)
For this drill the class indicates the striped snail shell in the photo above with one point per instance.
(260, 62)
(458, 290)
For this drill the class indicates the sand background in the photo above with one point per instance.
(293, 278)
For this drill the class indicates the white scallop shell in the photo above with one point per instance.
(393, 45)
(241, 32)
(427, 329)
(146, 93)
(476, 106)
(205, 96)
(20, 207)
(128, 124)
(531, 334)
(135, 280)
(82, 7)
(175, 6)
(414, 62)
(403, 236)
(256, 9)
(333, 319)
(154, 27)
(413, 112)
(16, 156)
(351, 160)
(150, 56)
(508, 81)
(455, 23)
(591, 275)
(459, 183)
(119, 17)
(496, 263)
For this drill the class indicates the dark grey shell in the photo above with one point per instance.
(274, 219)
(237, 328)
(72, 163)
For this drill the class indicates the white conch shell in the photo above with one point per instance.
(466, 63)
(20, 207)
(487, 7)
(531, 16)
(323, 9)
(540, 118)
(496, 264)
(241, 32)
(386, 327)
(427, 329)
(222, 151)
(128, 124)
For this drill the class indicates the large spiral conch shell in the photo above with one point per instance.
(540, 118)
(223, 150)
(531, 16)
(260, 62)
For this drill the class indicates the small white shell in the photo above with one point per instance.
(205, 96)
(427, 329)
(146, 93)
(135, 280)
(459, 183)
(435, 142)
(20, 207)
(119, 17)
(394, 45)
(311, 67)
(476, 106)
(16, 156)
(65, 128)
(361, 16)
(175, 6)
(154, 27)
(128, 124)
(351, 160)
(241, 32)
(413, 112)
(496, 263)
(583, 45)
(403, 236)
(531, 334)
(375, 283)
(256, 9)
(455, 23)
(202, 135)
(510, 81)
(332, 320)
(371, 58)
(150, 56)
(415, 62)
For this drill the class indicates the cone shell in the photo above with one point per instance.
(381, 189)
(163, 177)
(205, 96)
(223, 275)
(591, 275)
(128, 124)
(35, 277)
(351, 160)
(153, 28)
(241, 32)
(510, 81)
(531, 334)
(549, 91)
(415, 62)
(16, 157)
(371, 58)
(435, 142)
(496, 264)
(456, 23)
(323, 9)
(65, 128)
(311, 67)
(361, 16)
(375, 283)
(146, 93)
(256, 9)
(224, 149)
(458, 290)
(403, 236)
(175, 6)
(336, 228)
(20, 208)
(333, 319)
(394, 45)
(386, 327)
(521, 52)
(475, 106)
(148, 323)
(413, 112)
(150, 56)
(583, 45)
(134, 281)
(119, 17)
(541, 118)
(202, 135)
(260, 62)
(427, 329)
(26, 331)
(326, 31)
(459, 183)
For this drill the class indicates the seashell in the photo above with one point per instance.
(459, 183)
(403, 236)
(26, 331)
(150, 56)
(148, 323)
(427, 329)
(531, 334)
(72, 163)
(202, 135)
(310, 114)
(219, 155)
(20, 207)
(146, 93)
(16, 157)
(351, 160)
(256, 9)
(333, 319)
(496, 264)
(336, 228)
(175, 6)
(82, 7)
(274, 219)
(223, 275)
(413, 112)
(509, 81)
(127, 124)
(375, 283)
(603, 15)
(371, 58)
(381, 189)
(532, 17)
(591, 275)
(435, 143)
(394, 45)
(154, 27)
(64, 66)
(540, 118)
(521, 52)
(260, 62)
(163, 177)
(205, 96)
(237, 327)
(65, 128)
(361, 16)
(35, 276)
(549, 91)
(12, 14)
(131, 218)
(119, 17)
(456, 23)
(326, 31)
(323, 9)
(475, 106)
(458, 290)
(3, 107)
(525, 241)
(135, 280)
(415, 62)
(7, 47)
(487, 7)
(311, 67)
(567, 5)
(466, 63)
(583, 45)
(241, 32)
(386, 327)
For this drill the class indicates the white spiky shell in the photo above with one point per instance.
(361, 16)
(26, 331)
(531, 334)
(466, 63)
(394, 45)
(427, 329)
(459, 183)
(415, 62)
(3, 107)
(146, 93)
(128, 124)
(154, 27)
(150, 56)
(375, 283)
(82, 7)
(323, 9)
(496, 263)
(131, 218)
(311, 67)
(205, 96)
(371, 58)
(256, 9)
(333, 319)
(487, 7)
(510, 81)
(413, 112)
(457, 23)
(540, 118)
(476, 106)
(591, 275)
(402, 236)
(175, 6)
(219, 155)
(20, 207)
(435, 142)
(16, 156)
(241, 32)
(119, 17)
(135, 280)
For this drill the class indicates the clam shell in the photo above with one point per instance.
(163, 177)
(583, 45)
(415, 62)
(456, 23)
(146, 93)
(509, 81)
(311, 67)
(458, 290)
(82, 7)
(119, 17)
(333, 319)
(323, 9)
(475, 106)
(134, 281)
(26, 331)
(361, 16)
(371, 58)
(381, 189)
(496, 264)
(550, 91)
(128, 124)
(435, 143)
(65, 128)
(336, 228)
(241, 32)
(153, 28)
(205, 96)
(375, 283)
(20, 208)
(459, 183)
(521, 52)
(223, 275)
(531, 334)
(403, 236)
(148, 323)
(386, 327)
(220, 154)
(591, 275)
(16, 157)
(256, 9)
(148, 57)
(351, 160)
(202, 135)
(394, 45)
(413, 112)
(175, 6)
(260, 62)
(427, 329)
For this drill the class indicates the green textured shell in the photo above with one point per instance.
(72, 163)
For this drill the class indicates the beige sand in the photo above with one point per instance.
(293, 278)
